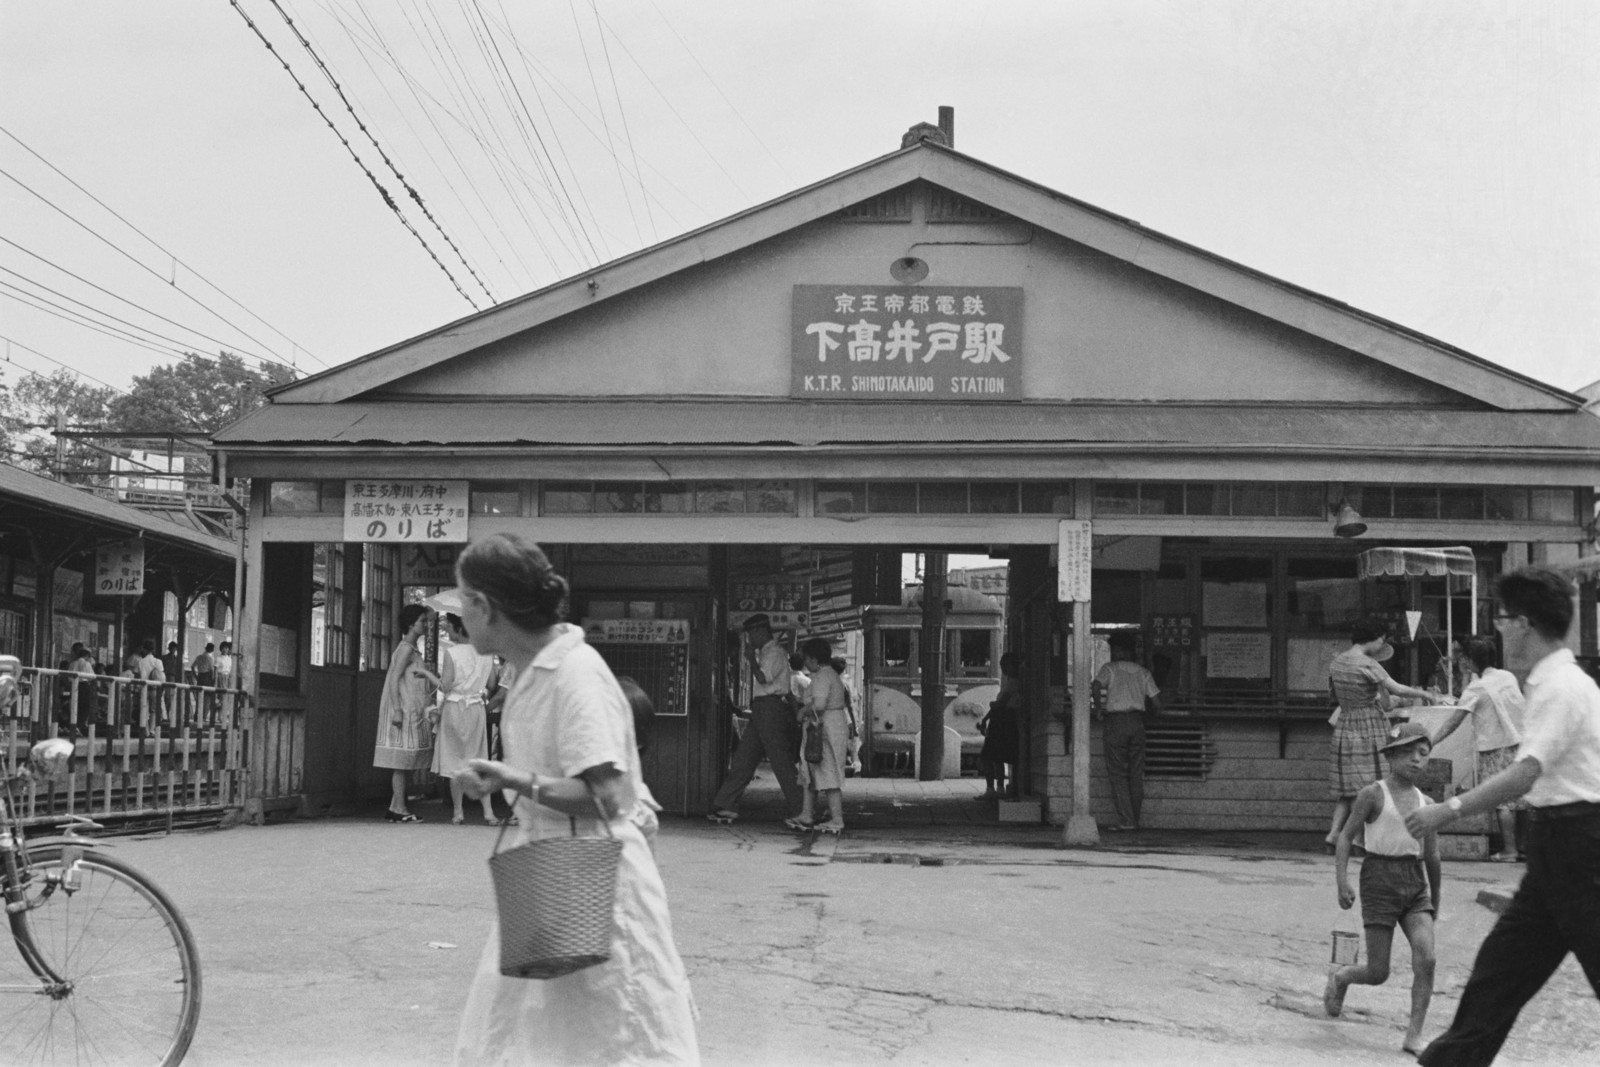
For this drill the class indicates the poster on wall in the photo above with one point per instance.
(889, 342)
(1074, 560)
(1234, 603)
(397, 512)
(1238, 655)
(1309, 658)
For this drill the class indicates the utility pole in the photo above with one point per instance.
(61, 443)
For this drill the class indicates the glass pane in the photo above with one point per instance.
(942, 498)
(1046, 498)
(672, 498)
(1161, 498)
(714, 497)
(974, 649)
(1116, 498)
(495, 498)
(1505, 502)
(564, 498)
(1373, 501)
(1416, 502)
(1553, 505)
(1303, 500)
(293, 498)
(841, 498)
(1324, 597)
(895, 649)
(333, 497)
(1205, 498)
(771, 498)
(1460, 502)
(892, 498)
(994, 498)
(618, 498)
(1251, 498)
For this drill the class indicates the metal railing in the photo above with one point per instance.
(142, 749)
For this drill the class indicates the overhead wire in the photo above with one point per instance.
(731, 105)
(450, 183)
(361, 125)
(79, 318)
(141, 307)
(373, 178)
(605, 123)
(140, 263)
(627, 134)
(120, 218)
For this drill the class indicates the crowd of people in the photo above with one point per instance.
(88, 693)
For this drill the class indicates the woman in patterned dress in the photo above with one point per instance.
(1358, 681)
(405, 732)
(569, 746)
(464, 675)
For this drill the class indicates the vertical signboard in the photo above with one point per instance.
(884, 342)
(119, 569)
(1074, 560)
(405, 511)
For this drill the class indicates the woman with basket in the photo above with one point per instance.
(571, 761)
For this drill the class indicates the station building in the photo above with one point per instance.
(923, 354)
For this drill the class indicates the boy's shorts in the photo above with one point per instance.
(1393, 887)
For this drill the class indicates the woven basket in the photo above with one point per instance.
(556, 896)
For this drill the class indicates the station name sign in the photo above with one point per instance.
(431, 510)
(887, 342)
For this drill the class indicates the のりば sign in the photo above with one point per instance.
(886, 342)
(405, 511)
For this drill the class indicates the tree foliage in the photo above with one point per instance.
(195, 394)
(29, 409)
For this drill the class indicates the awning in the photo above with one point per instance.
(1415, 562)
(1586, 568)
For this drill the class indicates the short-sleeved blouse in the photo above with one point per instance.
(1357, 680)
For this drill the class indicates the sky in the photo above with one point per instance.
(1434, 163)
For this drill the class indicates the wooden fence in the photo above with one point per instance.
(143, 749)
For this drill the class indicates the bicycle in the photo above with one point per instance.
(106, 970)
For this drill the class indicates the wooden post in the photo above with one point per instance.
(930, 761)
(1081, 830)
(247, 640)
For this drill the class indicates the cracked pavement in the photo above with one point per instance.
(321, 944)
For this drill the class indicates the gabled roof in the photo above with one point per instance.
(98, 514)
(1118, 237)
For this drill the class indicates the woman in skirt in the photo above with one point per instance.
(464, 676)
(405, 730)
(1359, 682)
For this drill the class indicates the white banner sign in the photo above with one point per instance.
(119, 569)
(636, 631)
(393, 511)
(1074, 560)
(1239, 655)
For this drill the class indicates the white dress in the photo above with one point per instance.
(563, 715)
(463, 727)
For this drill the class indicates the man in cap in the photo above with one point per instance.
(1556, 909)
(771, 718)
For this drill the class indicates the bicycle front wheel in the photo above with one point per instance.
(105, 972)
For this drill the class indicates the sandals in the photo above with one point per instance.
(399, 816)
(799, 825)
(457, 820)
(835, 828)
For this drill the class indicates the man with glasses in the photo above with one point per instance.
(1556, 909)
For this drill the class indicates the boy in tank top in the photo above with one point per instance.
(1399, 879)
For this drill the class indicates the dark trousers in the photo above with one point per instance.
(767, 735)
(1122, 736)
(1556, 910)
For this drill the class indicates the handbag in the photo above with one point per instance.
(556, 897)
(813, 742)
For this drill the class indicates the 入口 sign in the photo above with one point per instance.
(406, 511)
(425, 564)
(119, 569)
(884, 342)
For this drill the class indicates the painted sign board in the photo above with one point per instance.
(888, 342)
(119, 568)
(424, 564)
(636, 631)
(1074, 560)
(405, 511)
(1173, 631)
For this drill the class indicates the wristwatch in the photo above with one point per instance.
(1454, 804)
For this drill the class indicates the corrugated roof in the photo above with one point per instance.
(805, 425)
(48, 493)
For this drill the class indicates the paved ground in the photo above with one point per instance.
(350, 941)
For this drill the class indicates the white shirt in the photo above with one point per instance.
(224, 663)
(774, 663)
(1495, 701)
(1562, 732)
(1127, 685)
